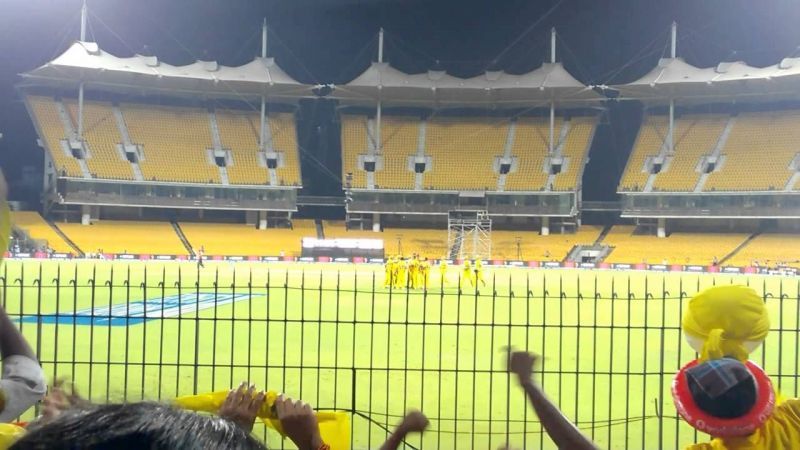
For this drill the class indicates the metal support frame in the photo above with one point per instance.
(469, 235)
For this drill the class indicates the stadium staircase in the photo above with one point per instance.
(126, 140)
(507, 154)
(320, 229)
(739, 248)
(184, 240)
(558, 152)
(723, 138)
(603, 235)
(66, 238)
(69, 130)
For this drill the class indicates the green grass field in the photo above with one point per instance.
(333, 336)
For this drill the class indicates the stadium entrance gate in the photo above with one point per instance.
(469, 234)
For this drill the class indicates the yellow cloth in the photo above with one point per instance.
(9, 433)
(780, 431)
(725, 317)
(334, 426)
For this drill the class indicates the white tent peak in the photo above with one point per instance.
(86, 62)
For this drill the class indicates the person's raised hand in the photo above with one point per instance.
(299, 423)
(58, 400)
(242, 405)
(521, 364)
(414, 422)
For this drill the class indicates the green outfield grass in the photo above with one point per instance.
(333, 336)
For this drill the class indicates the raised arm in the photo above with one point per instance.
(413, 422)
(560, 429)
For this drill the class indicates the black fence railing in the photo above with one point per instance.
(335, 337)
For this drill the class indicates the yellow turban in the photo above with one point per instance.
(725, 318)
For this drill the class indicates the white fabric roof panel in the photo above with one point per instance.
(677, 79)
(85, 61)
(383, 82)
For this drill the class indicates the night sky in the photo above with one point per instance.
(331, 41)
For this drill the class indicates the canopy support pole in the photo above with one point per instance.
(380, 45)
(80, 112)
(670, 139)
(379, 112)
(552, 124)
(264, 39)
(263, 130)
(378, 129)
(553, 45)
(674, 41)
(84, 17)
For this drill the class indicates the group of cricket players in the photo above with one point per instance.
(415, 273)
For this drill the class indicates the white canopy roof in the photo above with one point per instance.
(677, 79)
(550, 82)
(86, 62)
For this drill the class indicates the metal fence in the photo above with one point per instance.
(335, 337)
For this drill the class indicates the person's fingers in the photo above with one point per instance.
(229, 398)
(307, 408)
(251, 392)
(240, 392)
(280, 406)
(256, 402)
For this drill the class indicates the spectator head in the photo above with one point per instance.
(723, 397)
(723, 388)
(143, 425)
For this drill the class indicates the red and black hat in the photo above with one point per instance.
(713, 378)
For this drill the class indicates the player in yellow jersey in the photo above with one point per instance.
(467, 274)
(396, 268)
(424, 273)
(388, 277)
(479, 272)
(402, 273)
(442, 272)
(413, 272)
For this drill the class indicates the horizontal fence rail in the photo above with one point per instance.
(335, 337)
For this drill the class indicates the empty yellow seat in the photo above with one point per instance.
(123, 236)
(244, 240)
(677, 248)
(38, 229)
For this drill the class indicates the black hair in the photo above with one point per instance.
(144, 425)
(735, 402)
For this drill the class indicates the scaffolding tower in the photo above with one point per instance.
(469, 235)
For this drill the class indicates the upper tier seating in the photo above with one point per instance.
(576, 148)
(175, 143)
(51, 129)
(535, 247)
(102, 137)
(37, 228)
(284, 139)
(243, 240)
(694, 137)
(677, 248)
(455, 143)
(758, 153)
(463, 151)
(239, 132)
(122, 236)
(531, 145)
